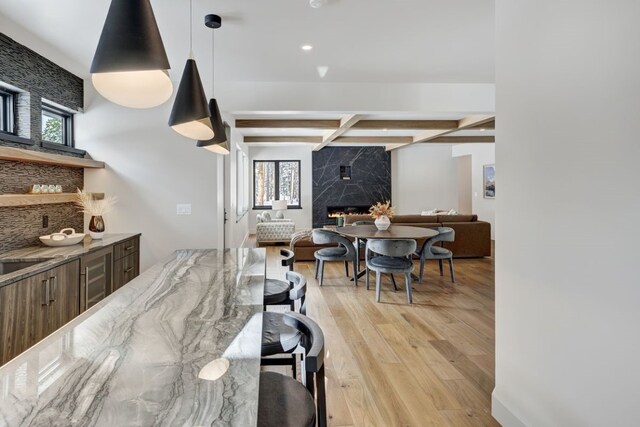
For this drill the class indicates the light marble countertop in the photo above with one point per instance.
(55, 255)
(135, 358)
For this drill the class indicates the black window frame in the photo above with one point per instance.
(67, 126)
(277, 183)
(7, 111)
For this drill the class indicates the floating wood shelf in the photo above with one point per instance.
(7, 200)
(30, 156)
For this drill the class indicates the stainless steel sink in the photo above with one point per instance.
(10, 266)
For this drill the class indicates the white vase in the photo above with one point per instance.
(382, 223)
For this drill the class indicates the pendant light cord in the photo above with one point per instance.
(191, 29)
(213, 61)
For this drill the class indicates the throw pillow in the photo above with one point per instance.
(266, 217)
(452, 212)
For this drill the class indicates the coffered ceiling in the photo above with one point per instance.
(371, 129)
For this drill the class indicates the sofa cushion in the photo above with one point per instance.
(457, 218)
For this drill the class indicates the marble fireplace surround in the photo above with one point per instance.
(369, 183)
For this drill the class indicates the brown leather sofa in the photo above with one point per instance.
(473, 237)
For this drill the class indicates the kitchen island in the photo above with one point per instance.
(149, 353)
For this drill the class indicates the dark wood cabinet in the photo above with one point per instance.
(64, 294)
(126, 266)
(32, 308)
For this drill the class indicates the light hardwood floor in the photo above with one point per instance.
(391, 364)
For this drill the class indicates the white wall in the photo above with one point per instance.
(423, 177)
(465, 179)
(237, 226)
(150, 168)
(567, 293)
(481, 154)
(302, 217)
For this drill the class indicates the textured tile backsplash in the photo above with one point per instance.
(21, 226)
(17, 178)
(37, 78)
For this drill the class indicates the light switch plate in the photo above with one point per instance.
(183, 209)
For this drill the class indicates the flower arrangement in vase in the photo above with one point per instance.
(88, 204)
(382, 213)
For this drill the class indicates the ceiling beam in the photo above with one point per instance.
(462, 124)
(460, 139)
(285, 123)
(406, 124)
(373, 139)
(306, 139)
(489, 125)
(345, 124)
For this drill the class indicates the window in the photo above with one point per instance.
(57, 125)
(6, 111)
(242, 185)
(276, 180)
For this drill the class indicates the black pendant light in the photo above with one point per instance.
(130, 66)
(217, 144)
(190, 113)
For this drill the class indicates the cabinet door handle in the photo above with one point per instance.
(45, 292)
(128, 248)
(53, 283)
(128, 270)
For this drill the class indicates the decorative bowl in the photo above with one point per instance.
(66, 237)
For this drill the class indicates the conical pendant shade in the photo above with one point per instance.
(217, 144)
(190, 113)
(130, 64)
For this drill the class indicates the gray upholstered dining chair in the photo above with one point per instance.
(430, 251)
(344, 251)
(277, 337)
(283, 401)
(276, 291)
(393, 256)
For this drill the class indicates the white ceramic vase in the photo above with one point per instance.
(382, 223)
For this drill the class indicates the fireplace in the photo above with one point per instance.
(336, 211)
(348, 180)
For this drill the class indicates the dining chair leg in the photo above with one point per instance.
(321, 398)
(366, 276)
(440, 264)
(294, 362)
(355, 273)
(421, 270)
(357, 248)
(316, 271)
(407, 280)
(378, 280)
(453, 279)
(346, 267)
(393, 280)
(321, 271)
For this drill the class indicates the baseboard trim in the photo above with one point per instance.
(502, 414)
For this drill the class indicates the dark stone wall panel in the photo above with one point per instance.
(370, 179)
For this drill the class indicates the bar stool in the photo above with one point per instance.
(276, 292)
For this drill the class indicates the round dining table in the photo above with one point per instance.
(365, 232)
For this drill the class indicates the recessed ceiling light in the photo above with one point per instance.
(306, 47)
(482, 129)
(385, 129)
